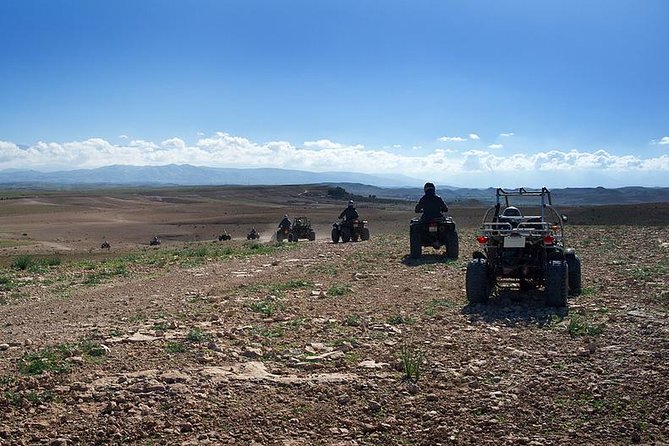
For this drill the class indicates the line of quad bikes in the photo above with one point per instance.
(516, 252)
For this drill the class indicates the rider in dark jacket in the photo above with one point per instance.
(285, 223)
(349, 213)
(431, 204)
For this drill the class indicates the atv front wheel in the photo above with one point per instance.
(477, 283)
(452, 245)
(312, 236)
(335, 235)
(415, 244)
(345, 235)
(365, 234)
(556, 283)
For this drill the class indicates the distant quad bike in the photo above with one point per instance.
(301, 228)
(436, 233)
(528, 250)
(224, 236)
(350, 230)
(155, 241)
(105, 245)
(253, 235)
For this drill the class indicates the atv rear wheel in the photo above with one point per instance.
(477, 283)
(415, 243)
(279, 236)
(452, 245)
(556, 283)
(312, 236)
(365, 234)
(574, 274)
(335, 235)
(345, 235)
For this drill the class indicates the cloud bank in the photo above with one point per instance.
(479, 168)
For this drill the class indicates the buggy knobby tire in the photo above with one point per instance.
(452, 245)
(415, 243)
(477, 281)
(365, 234)
(574, 274)
(335, 235)
(345, 235)
(279, 236)
(556, 283)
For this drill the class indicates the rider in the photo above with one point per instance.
(349, 214)
(285, 223)
(431, 204)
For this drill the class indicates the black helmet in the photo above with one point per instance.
(350, 203)
(429, 186)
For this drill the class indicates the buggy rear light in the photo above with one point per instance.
(549, 239)
(482, 239)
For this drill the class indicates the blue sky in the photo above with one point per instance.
(470, 93)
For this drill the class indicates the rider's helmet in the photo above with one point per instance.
(350, 203)
(285, 216)
(429, 187)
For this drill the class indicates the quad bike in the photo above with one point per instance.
(252, 235)
(301, 228)
(436, 233)
(526, 250)
(155, 241)
(350, 230)
(105, 245)
(224, 236)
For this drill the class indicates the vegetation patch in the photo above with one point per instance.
(412, 361)
(579, 325)
(339, 290)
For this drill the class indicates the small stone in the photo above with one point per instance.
(252, 352)
(4, 347)
(431, 397)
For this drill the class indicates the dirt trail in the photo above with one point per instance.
(304, 346)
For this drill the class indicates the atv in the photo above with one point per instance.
(436, 232)
(301, 228)
(155, 241)
(105, 245)
(348, 230)
(224, 236)
(252, 235)
(527, 250)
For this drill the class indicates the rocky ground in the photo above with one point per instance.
(313, 344)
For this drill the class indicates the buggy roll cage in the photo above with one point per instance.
(541, 227)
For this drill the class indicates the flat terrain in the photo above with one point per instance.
(204, 342)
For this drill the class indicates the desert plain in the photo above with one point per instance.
(199, 341)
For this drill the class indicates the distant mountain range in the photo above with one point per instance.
(187, 175)
(394, 187)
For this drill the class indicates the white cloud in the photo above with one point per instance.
(416, 147)
(200, 134)
(225, 150)
(664, 140)
(123, 136)
(506, 134)
(495, 146)
(452, 139)
(474, 136)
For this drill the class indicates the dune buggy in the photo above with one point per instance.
(527, 250)
(350, 230)
(300, 228)
(436, 233)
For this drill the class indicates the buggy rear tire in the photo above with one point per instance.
(574, 274)
(556, 283)
(477, 282)
(312, 236)
(345, 235)
(452, 245)
(279, 236)
(335, 235)
(365, 234)
(415, 243)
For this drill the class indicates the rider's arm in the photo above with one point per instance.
(443, 206)
(419, 206)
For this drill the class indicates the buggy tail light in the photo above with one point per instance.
(482, 239)
(549, 239)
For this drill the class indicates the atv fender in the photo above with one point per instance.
(478, 255)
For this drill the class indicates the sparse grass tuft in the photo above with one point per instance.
(399, 319)
(197, 335)
(353, 321)
(268, 306)
(412, 360)
(339, 290)
(23, 263)
(436, 304)
(580, 326)
(175, 347)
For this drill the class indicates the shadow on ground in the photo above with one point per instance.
(427, 259)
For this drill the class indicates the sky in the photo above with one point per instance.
(470, 93)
